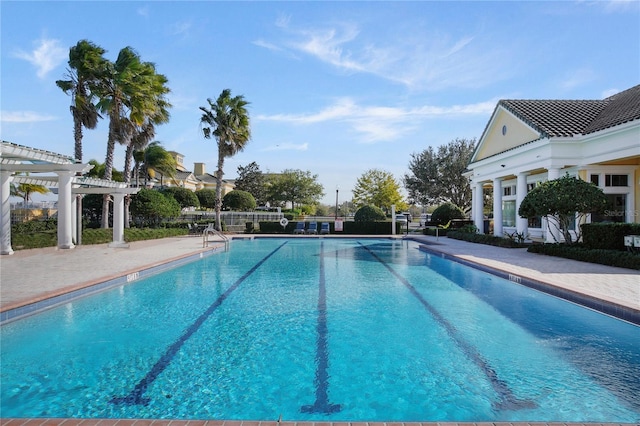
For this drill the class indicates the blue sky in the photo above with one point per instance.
(335, 88)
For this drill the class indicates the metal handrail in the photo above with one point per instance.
(211, 230)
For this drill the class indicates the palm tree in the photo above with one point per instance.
(85, 63)
(226, 120)
(156, 159)
(131, 93)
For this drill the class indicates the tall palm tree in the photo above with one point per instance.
(226, 120)
(131, 93)
(85, 63)
(156, 160)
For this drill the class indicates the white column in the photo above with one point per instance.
(118, 221)
(497, 207)
(393, 219)
(552, 231)
(477, 201)
(5, 213)
(74, 219)
(522, 223)
(65, 235)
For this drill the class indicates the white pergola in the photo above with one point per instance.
(56, 171)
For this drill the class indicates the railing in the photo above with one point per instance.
(211, 230)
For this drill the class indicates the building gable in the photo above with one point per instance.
(504, 132)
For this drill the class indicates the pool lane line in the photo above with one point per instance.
(322, 404)
(135, 397)
(508, 401)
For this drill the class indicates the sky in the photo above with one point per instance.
(336, 88)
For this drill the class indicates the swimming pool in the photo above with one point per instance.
(322, 329)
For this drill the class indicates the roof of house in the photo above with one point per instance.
(557, 118)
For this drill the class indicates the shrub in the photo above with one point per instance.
(446, 213)
(207, 198)
(585, 254)
(151, 207)
(609, 236)
(491, 240)
(369, 214)
(184, 196)
(239, 200)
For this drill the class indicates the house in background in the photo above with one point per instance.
(196, 179)
(527, 142)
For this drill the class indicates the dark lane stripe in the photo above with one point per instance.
(135, 397)
(508, 401)
(322, 404)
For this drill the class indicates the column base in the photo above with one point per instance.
(116, 244)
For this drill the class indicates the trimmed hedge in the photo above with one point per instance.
(609, 236)
(485, 239)
(582, 253)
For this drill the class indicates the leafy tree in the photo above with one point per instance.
(150, 207)
(252, 180)
(437, 176)
(378, 188)
(239, 200)
(445, 213)
(369, 213)
(24, 190)
(568, 199)
(85, 65)
(295, 186)
(184, 197)
(207, 198)
(227, 121)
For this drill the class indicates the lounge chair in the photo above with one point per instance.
(324, 228)
(299, 228)
(313, 228)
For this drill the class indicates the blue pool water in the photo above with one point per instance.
(325, 330)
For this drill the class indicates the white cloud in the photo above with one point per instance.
(419, 61)
(380, 123)
(24, 117)
(181, 28)
(577, 78)
(46, 56)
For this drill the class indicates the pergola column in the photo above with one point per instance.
(497, 207)
(118, 220)
(5, 212)
(65, 210)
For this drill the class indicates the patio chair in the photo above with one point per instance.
(324, 228)
(313, 228)
(299, 229)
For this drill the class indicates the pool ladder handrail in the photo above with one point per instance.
(211, 230)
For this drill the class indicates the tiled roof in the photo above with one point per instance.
(557, 118)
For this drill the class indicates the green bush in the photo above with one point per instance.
(609, 236)
(369, 214)
(446, 213)
(239, 201)
(484, 239)
(585, 254)
(440, 232)
(185, 197)
(207, 198)
(150, 207)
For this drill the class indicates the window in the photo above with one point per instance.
(595, 179)
(508, 213)
(534, 222)
(615, 211)
(531, 186)
(509, 190)
(616, 180)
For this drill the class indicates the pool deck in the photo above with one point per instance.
(30, 276)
